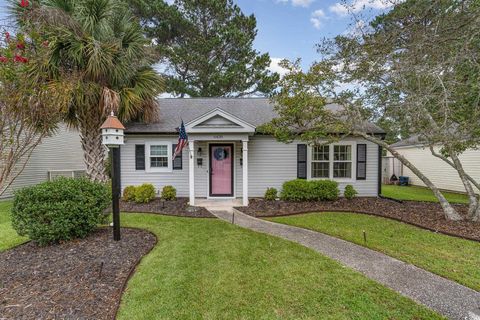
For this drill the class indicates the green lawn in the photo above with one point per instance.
(419, 194)
(209, 269)
(8, 236)
(451, 257)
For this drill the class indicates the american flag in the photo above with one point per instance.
(182, 141)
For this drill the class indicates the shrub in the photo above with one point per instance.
(169, 193)
(59, 210)
(144, 193)
(315, 190)
(271, 194)
(349, 192)
(129, 193)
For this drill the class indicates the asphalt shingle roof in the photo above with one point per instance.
(256, 111)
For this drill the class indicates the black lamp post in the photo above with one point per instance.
(112, 137)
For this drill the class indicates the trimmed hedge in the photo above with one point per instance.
(59, 210)
(349, 192)
(271, 194)
(313, 190)
(169, 193)
(144, 193)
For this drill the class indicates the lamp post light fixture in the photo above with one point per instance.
(112, 137)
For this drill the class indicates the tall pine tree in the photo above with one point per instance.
(206, 47)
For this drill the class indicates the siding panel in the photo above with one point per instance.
(61, 151)
(441, 174)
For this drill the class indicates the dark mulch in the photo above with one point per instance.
(66, 281)
(177, 207)
(427, 215)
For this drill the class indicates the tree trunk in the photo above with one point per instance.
(93, 150)
(450, 212)
(474, 204)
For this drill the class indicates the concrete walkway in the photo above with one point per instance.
(444, 296)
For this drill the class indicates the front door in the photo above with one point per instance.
(221, 170)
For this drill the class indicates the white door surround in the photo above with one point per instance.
(219, 127)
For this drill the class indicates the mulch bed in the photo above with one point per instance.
(427, 215)
(67, 281)
(177, 207)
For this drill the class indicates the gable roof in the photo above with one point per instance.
(254, 111)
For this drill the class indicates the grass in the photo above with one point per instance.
(209, 269)
(450, 257)
(416, 193)
(8, 237)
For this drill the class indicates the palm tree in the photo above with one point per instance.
(102, 48)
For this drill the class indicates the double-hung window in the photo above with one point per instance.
(342, 161)
(321, 161)
(159, 156)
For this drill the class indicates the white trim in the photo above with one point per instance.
(191, 171)
(244, 127)
(149, 169)
(245, 172)
(352, 179)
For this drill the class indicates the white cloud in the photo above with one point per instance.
(275, 66)
(317, 18)
(301, 3)
(354, 6)
(297, 3)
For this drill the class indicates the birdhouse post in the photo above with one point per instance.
(112, 137)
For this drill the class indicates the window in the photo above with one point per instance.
(342, 161)
(159, 155)
(321, 162)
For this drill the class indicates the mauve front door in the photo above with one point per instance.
(221, 170)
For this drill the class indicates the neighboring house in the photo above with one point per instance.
(439, 172)
(58, 155)
(227, 158)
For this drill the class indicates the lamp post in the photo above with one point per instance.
(112, 137)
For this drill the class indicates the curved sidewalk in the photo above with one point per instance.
(444, 296)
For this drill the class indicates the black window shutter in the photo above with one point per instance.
(177, 163)
(139, 157)
(361, 161)
(301, 161)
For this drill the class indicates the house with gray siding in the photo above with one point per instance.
(60, 154)
(226, 158)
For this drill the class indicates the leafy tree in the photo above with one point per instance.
(207, 48)
(31, 103)
(418, 67)
(100, 44)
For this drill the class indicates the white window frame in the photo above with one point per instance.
(353, 145)
(148, 167)
(312, 161)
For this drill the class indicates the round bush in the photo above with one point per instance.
(59, 210)
(144, 193)
(349, 192)
(271, 194)
(169, 193)
(129, 193)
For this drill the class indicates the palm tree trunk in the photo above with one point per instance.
(94, 151)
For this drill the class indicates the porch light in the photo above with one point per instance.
(199, 152)
(112, 137)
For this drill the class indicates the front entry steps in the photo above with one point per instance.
(218, 204)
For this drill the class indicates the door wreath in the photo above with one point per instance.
(220, 154)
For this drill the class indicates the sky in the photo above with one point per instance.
(291, 28)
